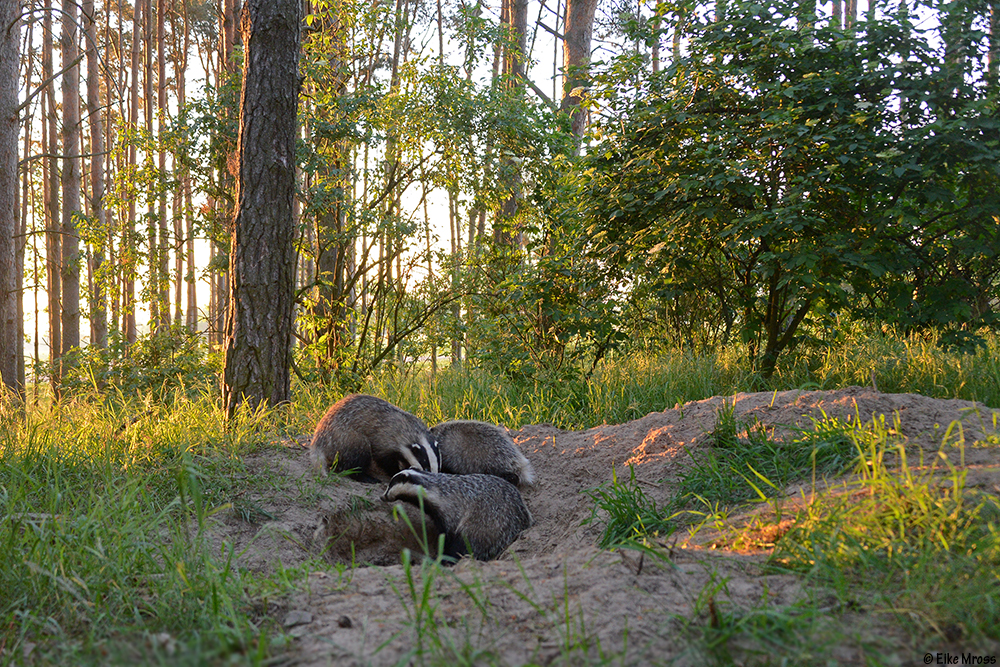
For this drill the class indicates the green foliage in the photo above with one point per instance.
(783, 170)
(916, 538)
(157, 363)
(629, 515)
(103, 509)
(381, 131)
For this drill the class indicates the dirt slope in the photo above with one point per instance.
(553, 594)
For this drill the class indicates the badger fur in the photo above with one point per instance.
(479, 515)
(468, 447)
(372, 437)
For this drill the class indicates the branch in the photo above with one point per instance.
(58, 156)
(49, 80)
(538, 91)
(550, 30)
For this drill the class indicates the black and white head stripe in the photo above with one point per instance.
(422, 455)
(405, 483)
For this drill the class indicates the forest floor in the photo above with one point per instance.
(554, 596)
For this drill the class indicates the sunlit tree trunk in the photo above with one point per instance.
(229, 11)
(262, 259)
(112, 84)
(70, 43)
(10, 283)
(576, 60)
(191, 317)
(27, 195)
(152, 247)
(98, 310)
(128, 245)
(183, 218)
(53, 247)
(163, 244)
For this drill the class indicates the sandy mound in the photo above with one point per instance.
(553, 595)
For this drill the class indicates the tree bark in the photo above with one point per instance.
(27, 195)
(332, 294)
(163, 244)
(514, 18)
(262, 258)
(98, 309)
(993, 55)
(850, 13)
(576, 60)
(70, 43)
(128, 241)
(180, 72)
(53, 247)
(152, 246)
(10, 283)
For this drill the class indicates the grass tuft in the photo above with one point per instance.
(923, 544)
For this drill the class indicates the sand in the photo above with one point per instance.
(554, 597)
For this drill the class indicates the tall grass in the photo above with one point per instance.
(631, 384)
(914, 537)
(102, 507)
(103, 498)
(857, 353)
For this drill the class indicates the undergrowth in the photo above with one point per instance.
(632, 383)
(897, 539)
(102, 512)
(104, 495)
(744, 461)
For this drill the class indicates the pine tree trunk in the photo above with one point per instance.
(576, 60)
(163, 243)
(70, 43)
(98, 309)
(993, 56)
(10, 283)
(128, 242)
(330, 300)
(182, 198)
(152, 247)
(262, 257)
(27, 195)
(514, 17)
(53, 247)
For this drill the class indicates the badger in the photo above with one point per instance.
(468, 446)
(477, 514)
(373, 438)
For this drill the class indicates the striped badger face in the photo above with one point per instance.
(423, 455)
(405, 484)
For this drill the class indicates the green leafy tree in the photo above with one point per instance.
(783, 169)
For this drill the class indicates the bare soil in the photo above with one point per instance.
(554, 596)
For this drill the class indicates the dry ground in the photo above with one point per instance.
(554, 596)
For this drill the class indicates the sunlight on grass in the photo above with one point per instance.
(927, 547)
(101, 510)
